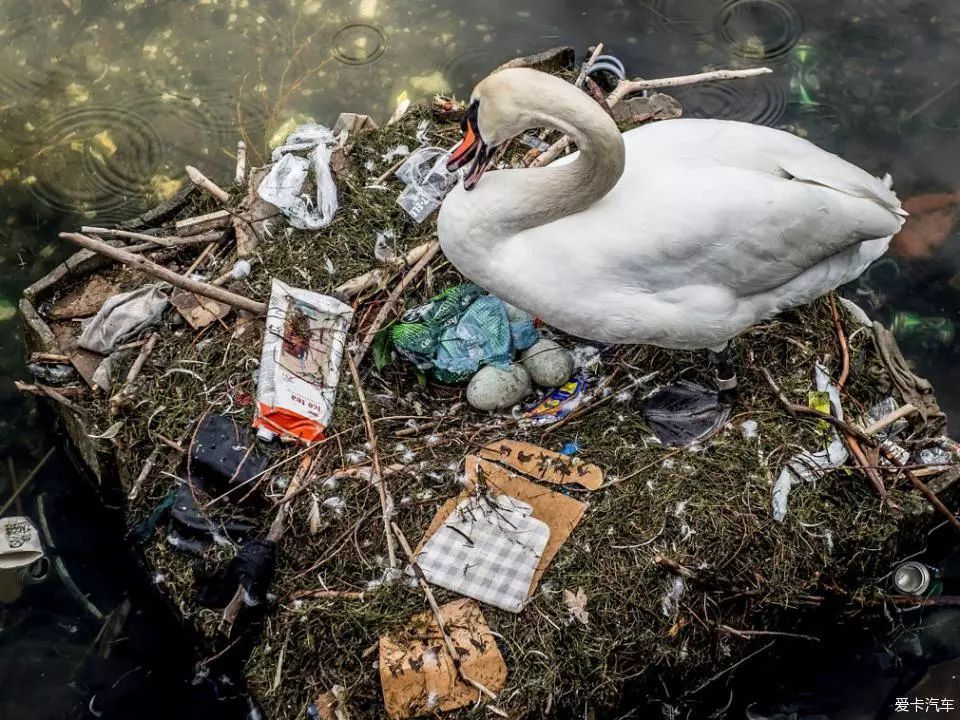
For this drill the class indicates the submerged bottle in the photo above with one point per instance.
(930, 332)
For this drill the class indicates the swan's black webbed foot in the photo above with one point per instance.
(685, 413)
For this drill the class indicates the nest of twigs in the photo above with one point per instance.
(702, 514)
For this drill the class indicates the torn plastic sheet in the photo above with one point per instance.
(428, 181)
(807, 466)
(284, 184)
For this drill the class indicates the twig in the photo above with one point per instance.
(794, 409)
(392, 299)
(158, 271)
(388, 172)
(748, 634)
(871, 472)
(732, 667)
(842, 338)
(921, 486)
(240, 175)
(940, 600)
(38, 389)
(135, 369)
(57, 397)
(628, 87)
(375, 277)
(109, 232)
(376, 475)
(205, 183)
(326, 595)
(275, 533)
(674, 567)
(27, 480)
(588, 63)
(144, 473)
(422, 579)
(890, 419)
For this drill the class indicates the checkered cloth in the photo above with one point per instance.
(488, 549)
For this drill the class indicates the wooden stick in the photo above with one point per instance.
(748, 634)
(844, 348)
(219, 219)
(144, 473)
(56, 396)
(158, 271)
(353, 287)
(29, 479)
(376, 476)
(240, 175)
(389, 171)
(110, 232)
(794, 410)
(422, 579)
(392, 299)
(134, 371)
(873, 475)
(890, 419)
(39, 389)
(326, 595)
(921, 486)
(587, 64)
(205, 183)
(45, 357)
(627, 87)
(275, 533)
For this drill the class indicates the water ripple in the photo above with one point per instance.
(358, 44)
(759, 29)
(762, 101)
(95, 160)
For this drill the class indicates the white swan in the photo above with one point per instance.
(681, 233)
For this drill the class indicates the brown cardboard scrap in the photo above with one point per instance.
(560, 512)
(543, 464)
(417, 674)
(84, 300)
(197, 310)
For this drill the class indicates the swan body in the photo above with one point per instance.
(681, 233)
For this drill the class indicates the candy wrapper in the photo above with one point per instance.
(303, 346)
(559, 403)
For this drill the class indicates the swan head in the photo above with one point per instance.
(502, 106)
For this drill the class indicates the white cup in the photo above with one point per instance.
(19, 543)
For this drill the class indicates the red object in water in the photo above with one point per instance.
(932, 219)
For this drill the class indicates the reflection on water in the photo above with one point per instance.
(103, 102)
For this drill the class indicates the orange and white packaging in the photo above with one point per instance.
(303, 346)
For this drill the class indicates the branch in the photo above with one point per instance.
(158, 271)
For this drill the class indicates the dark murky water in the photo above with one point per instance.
(102, 102)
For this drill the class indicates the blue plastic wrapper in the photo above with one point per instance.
(460, 331)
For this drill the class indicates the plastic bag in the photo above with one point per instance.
(459, 331)
(427, 180)
(284, 184)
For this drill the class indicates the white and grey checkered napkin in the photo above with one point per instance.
(488, 549)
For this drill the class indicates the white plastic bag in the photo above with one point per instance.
(284, 185)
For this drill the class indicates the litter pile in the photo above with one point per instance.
(415, 527)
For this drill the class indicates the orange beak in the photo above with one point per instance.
(472, 147)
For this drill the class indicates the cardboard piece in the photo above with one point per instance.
(417, 674)
(84, 300)
(197, 310)
(560, 512)
(543, 464)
